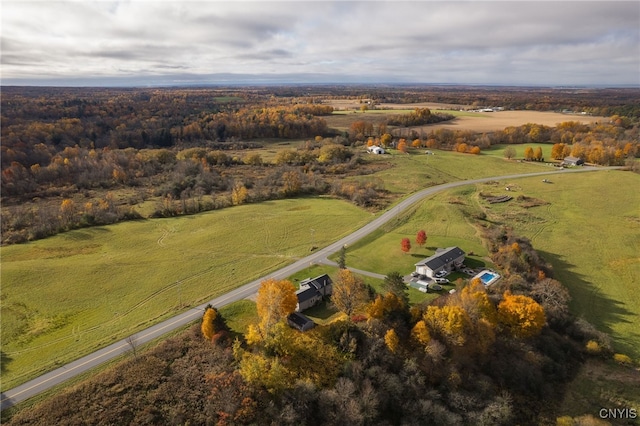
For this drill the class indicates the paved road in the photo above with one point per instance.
(53, 378)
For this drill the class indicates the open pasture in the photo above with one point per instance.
(590, 232)
(586, 225)
(70, 294)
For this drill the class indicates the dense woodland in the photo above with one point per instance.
(496, 356)
(74, 157)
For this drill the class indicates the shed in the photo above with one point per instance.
(572, 161)
(300, 322)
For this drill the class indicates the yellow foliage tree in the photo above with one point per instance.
(383, 305)
(276, 299)
(521, 315)
(207, 327)
(474, 300)
(452, 323)
(349, 293)
(420, 333)
(391, 340)
(238, 194)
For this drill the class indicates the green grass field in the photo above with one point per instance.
(70, 294)
(590, 232)
(498, 150)
(416, 170)
(587, 226)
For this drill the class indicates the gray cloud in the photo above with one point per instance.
(478, 42)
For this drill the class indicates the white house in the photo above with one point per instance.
(374, 149)
(444, 259)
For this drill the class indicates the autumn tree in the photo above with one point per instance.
(537, 154)
(421, 238)
(417, 143)
(208, 320)
(239, 194)
(276, 299)
(509, 152)
(349, 292)
(67, 211)
(450, 323)
(405, 245)
(391, 340)
(386, 139)
(383, 306)
(521, 315)
(402, 146)
(528, 153)
(420, 333)
(475, 150)
(557, 151)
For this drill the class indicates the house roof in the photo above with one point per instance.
(572, 159)
(307, 294)
(299, 320)
(318, 282)
(441, 257)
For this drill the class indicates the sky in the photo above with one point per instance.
(169, 42)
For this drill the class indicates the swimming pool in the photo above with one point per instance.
(488, 277)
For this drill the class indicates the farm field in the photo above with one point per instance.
(476, 121)
(586, 225)
(67, 295)
(414, 171)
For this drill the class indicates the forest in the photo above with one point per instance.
(75, 157)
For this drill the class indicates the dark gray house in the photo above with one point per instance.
(444, 259)
(312, 291)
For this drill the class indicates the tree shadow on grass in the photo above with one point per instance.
(589, 302)
(4, 361)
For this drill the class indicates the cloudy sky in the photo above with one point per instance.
(164, 42)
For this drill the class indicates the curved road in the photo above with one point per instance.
(55, 377)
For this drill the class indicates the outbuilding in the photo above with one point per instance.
(572, 161)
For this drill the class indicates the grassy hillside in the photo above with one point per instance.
(590, 232)
(65, 296)
(587, 225)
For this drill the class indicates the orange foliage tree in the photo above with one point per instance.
(421, 238)
(405, 245)
(402, 145)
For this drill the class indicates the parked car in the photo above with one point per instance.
(441, 280)
(441, 274)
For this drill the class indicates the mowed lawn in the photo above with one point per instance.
(68, 295)
(443, 217)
